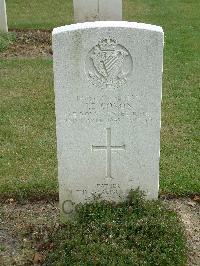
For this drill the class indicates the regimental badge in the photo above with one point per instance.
(108, 64)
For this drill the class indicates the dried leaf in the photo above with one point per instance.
(197, 198)
(38, 258)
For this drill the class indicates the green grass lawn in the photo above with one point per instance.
(6, 39)
(28, 121)
(53, 13)
(37, 14)
(28, 160)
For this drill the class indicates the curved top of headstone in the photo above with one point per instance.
(109, 24)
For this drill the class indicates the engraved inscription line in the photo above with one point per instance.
(108, 149)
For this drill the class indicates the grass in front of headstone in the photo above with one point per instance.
(38, 14)
(28, 162)
(6, 39)
(135, 232)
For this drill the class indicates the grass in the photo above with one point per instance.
(28, 161)
(28, 122)
(2, 248)
(39, 14)
(6, 39)
(136, 232)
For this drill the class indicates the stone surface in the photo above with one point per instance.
(94, 10)
(108, 84)
(3, 16)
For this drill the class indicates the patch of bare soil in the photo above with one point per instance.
(29, 43)
(189, 213)
(27, 230)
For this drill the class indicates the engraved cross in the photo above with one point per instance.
(108, 148)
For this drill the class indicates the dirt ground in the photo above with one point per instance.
(189, 213)
(29, 43)
(26, 230)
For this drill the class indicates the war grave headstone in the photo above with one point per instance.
(108, 85)
(95, 10)
(3, 16)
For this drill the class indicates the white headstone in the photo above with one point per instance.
(93, 10)
(3, 16)
(108, 83)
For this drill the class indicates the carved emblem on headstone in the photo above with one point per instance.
(108, 64)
